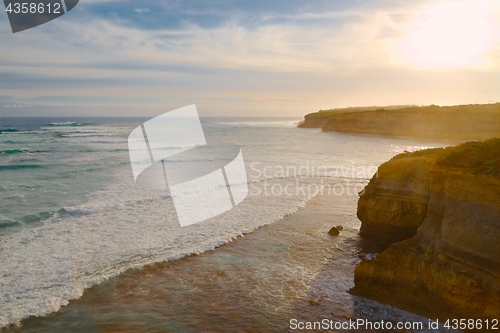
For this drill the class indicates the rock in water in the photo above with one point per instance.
(335, 231)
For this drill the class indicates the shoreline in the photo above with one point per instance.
(291, 268)
(52, 296)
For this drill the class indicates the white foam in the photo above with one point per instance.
(85, 245)
(44, 266)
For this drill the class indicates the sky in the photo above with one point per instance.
(250, 58)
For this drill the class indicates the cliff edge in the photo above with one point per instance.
(442, 206)
(454, 123)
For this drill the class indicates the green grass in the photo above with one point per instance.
(481, 157)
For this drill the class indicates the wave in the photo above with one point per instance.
(69, 124)
(80, 134)
(78, 211)
(8, 223)
(20, 151)
(16, 131)
(13, 151)
(83, 211)
(26, 220)
(131, 261)
(20, 166)
(9, 130)
(110, 141)
(67, 212)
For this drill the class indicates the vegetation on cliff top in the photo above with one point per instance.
(330, 112)
(406, 108)
(480, 157)
(452, 123)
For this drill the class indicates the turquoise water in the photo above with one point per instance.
(49, 164)
(71, 216)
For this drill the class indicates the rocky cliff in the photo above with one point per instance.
(456, 123)
(445, 204)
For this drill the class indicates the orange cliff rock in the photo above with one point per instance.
(453, 123)
(445, 203)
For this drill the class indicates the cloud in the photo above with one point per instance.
(245, 54)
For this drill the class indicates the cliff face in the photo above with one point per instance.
(451, 199)
(462, 122)
(312, 122)
(394, 203)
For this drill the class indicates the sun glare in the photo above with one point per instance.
(451, 34)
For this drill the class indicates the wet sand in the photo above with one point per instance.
(292, 269)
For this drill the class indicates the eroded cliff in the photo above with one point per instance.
(445, 203)
(454, 123)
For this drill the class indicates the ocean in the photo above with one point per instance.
(72, 221)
